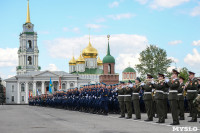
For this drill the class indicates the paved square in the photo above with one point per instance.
(32, 119)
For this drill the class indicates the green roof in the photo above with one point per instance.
(108, 58)
(31, 33)
(90, 71)
(129, 69)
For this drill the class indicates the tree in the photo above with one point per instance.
(184, 74)
(153, 60)
(2, 98)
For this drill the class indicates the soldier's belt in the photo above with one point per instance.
(191, 90)
(180, 94)
(147, 93)
(127, 95)
(166, 93)
(173, 91)
(120, 95)
(159, 91)
(135, 93)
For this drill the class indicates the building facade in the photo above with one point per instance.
(128, 74)
(21, 87)
(87, 65)
(109, 76)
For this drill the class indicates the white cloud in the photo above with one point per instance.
(196, 43)
(8, 57)
(121, 16)
(76, 30)
(123, 60)
(65, 29)
(142, 1)
(160, 4)
(119, 43)
(43, 32)
(193, 59)
(100, 20)
(114, 4)
(94, 26)
(175, 42)
(196, 11)
(51, 67)
(175, 60)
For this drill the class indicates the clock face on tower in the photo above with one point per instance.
(28, 26)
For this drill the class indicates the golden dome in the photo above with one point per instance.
(80, 60)
(72, 61)
(99, 62)
(89, 51)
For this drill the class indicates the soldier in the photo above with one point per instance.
(174, 85)
(159, 97)
(135, 98)
(120, 92)
(127, 99)
(148, 97)
(181, 98)
(199, 95)
(191, 87)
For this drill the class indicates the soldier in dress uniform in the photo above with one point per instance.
(198, 94)
(148, 100)
(127, 99)
(181, 98)
(173, 97)
(159, 97)
(135, 98)
(120, 91)
(191, 87)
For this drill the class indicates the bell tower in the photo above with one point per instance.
(28, 50)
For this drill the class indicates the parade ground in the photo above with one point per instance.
(32, 119)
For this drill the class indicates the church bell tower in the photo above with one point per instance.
(28, 51)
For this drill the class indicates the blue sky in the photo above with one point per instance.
(63, 25)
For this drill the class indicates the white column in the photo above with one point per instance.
(68, 84)
(75, 85)
(43, 92)
(18, 93)
(26, 90)
(34, 88)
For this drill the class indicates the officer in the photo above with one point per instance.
(120, 91)
(181, 98)
(159, 97)
(127, 99)
(135, 98)
(199, 95)
(173, 98)
(191, 87)
(148, 97)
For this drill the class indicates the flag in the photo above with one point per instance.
(60, 83)
(50, 86)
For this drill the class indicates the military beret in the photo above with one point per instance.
(181, 77)
(121, 82)
(161, 74)
(175, 71)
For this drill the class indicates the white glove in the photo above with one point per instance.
(166, 80)
(131, 85)
(152, 82)
(142, 83)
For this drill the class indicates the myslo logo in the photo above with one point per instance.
(185, 129)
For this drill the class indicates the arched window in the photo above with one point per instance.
(109, 69)
(29, 44)
(71, 85)
(63, 86)
(29, 60)
(22, 87)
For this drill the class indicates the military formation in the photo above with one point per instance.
(155, 97)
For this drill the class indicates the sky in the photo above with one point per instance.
(63, 29)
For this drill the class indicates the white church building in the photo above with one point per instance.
(30, 81)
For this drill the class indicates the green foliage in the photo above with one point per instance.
(153, 60)
(184, 74)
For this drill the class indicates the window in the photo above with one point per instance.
(71, 85)
(29, 44)
(29, 60)
(22, 87)
(131, 76)
(22, 98)
(63, 86)
(109, 69)
(13, 89)
(12, 98)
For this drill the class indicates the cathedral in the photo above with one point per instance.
(30, 81)
(87, 65)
